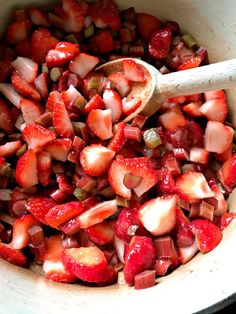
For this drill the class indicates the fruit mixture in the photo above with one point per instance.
(91, 198)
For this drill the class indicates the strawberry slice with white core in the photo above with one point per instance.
(199, 155)
(12, 255)
(70, 95)
(83, 64)
(44, 165)
(120, 248)
(61, 121)
(113, 101)
(62, 54)
(192, 186)
(215, 110)
(41, 83)
(9, 149)
(216, 94)
(11, 94)
(218, 137)
(133, 71)
(38, 17)
(97, 213)
(59, 148)
(159, 215)
(30, 111)
(101, 233)
(100, 123)
(27, 68)
(221, 204)
(26, 170)
(53, 98)
(40, 206)
(172, 119)
(36, 136)
(187, 253)
(228, 171)
(121, 84)
(130, 104)
(73, 17)
(95, 159)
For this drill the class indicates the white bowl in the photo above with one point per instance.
(208, 281)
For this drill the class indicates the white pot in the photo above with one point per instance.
(204, 281)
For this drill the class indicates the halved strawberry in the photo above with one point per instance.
(113, 102)
(41, 83)
(190, 63)
(73, 16)
(11, 255)
(228, 171)
(133, 71)
(30, 111)
(24, 88)
(11, 94)
(38, 17)
(62, 54)
(100, 123)
(101, 233)
(26, 170)
(9, 149)
(97, 213)
(26, 67)
(61, 121)
(130, 104)
(208, 235)
(140, 256)
(215, 110)
(192, 186)
(199, 155)
(83, 64)
(216, 94)
(36, 136)
(159, 44)
(18, 31)
(40, 206)
(59, 148)
(193, 109)
(172, 119)
(121, 83)
(159, 215)
(64, 184)
(105, 13)
(53, 98)
(118, 140)
(218, 137)
(101, 43)
(147, 24)
(137, 166)
(96, 102)
(70, 95)
(95, 159)
(184, 236)
(222, 206)
(186, 253)
(44, 165)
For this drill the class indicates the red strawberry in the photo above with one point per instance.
(113, 101)
(11, 255)
(208, 235)
(186, 253)
(101, 43)
(59, 148)
(6, 122)
(18, 31)
(97, 213)
(83, 64)
(218, 137)
(64, 184)
(190, 63)
(38, 17)
(95, 159)
(140, 256)
(136, 166)
(228, 171)
(184, 236)
(30, 111)
(96, 102)
(133, 71)
(121, 84)
(41, 83)
(192, 186)
(105, 14)
(24, 88)
(39, 207)
(118, 140)
(101, 233)
(100, 123)
(53, 98)
(26, 68)
(161, 221)
(5, 68)
(222, 206)
(9, 149)
(193, 109)
(73, 19)
(39, 50)
(61, 121)
(44, 166)
(130, 104)
(199, 155)
(23, 49)
(215, 110)
(26, 170)
(216, 94)
(159, 44)
(36, 136)
(147, 24)
(62, 54)
(172, 119)
(195, 135)
(226, 219)
(167, 183)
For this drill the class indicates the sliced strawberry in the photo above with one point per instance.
(160, 221)
(228, 171)
(23, 49)
(93, 84)
(62, 54)
(190, 63)
(159, 44)
(59, 148)
(195, 134)
(193, 109)
(64, 184)
(24, 88)
(218, 137)
(5, 68)
(121, 83)
(41, 83)
(118, 140)
(172, 119)
(53, 98)
(70, 95)
(95, 159)
(147, 24)
(11, 94)
(21, 237)
(186, 253)
(38, 17)
(39, 207)
(26, 67)
(37, 136)
(226, 219)
(215, 110)
(105, 13)
(18, 31)
(208, 235)
(101, 233)
(130, 104)
(30, 111)
(9, 149)
(101, 43)
(184, 236)
(216, 94)
(192, 186)
(26, 170)
(61, 121)
(140, 256)
(73, 16)
(113, 102)
(83, 64)
(96, 102)
(133, 71)
(44, 165)
(97, 213)
(11, 255)
(137, 166)
(100, 123)
(199, 155)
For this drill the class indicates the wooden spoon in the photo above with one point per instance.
(221, 75)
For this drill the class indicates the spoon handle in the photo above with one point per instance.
(221, 75)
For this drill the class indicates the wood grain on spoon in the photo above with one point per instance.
(221, 75)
